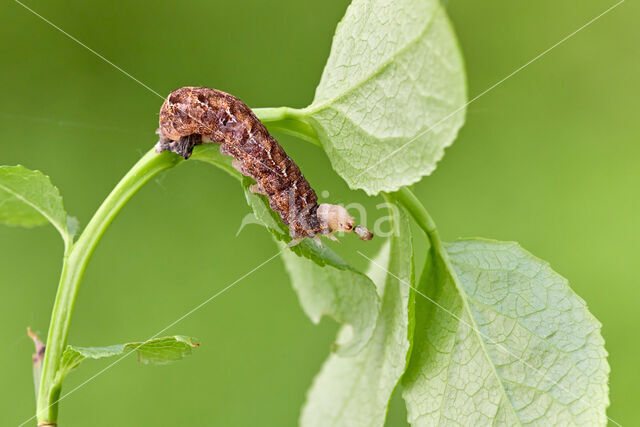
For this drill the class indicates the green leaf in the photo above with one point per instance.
(391, 97)
(28, 198)
(157, 351)
(325, 283)
(355, 391)
(338, 291)
(504, 340)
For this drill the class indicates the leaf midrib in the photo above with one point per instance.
(476, 330)
(311, 109)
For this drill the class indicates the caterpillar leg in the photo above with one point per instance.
(332, 237)
(183, 146)
(255, 189)
(163, 144)
(295, 241)
(236, 164)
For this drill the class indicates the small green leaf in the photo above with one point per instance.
(391, 97)
(325, 283)
(28, 198)
(157, 351)
(355, 391)
(503, 341)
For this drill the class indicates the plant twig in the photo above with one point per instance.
(76, 258)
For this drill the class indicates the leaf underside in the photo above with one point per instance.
(503, 340)
(355, 391)
(391, 97)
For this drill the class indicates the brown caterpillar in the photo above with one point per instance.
(193, 115)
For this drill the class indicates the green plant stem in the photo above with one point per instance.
(416, 209)
(77, 255)
(76, 258)
(290, 121)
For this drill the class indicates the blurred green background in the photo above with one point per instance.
(550, 158)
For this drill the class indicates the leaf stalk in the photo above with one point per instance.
(290, 121)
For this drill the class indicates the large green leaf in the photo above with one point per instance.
(391, 96)
(28, 198)
(325, 283)
(355, 391)
(157, 351)
(503, 341)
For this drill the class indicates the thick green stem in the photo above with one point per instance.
(290, 121)
(76, 258)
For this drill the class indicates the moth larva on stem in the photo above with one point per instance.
(194, 115)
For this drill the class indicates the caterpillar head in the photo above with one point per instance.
(336, 218)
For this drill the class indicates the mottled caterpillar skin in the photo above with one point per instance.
(193, 115)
